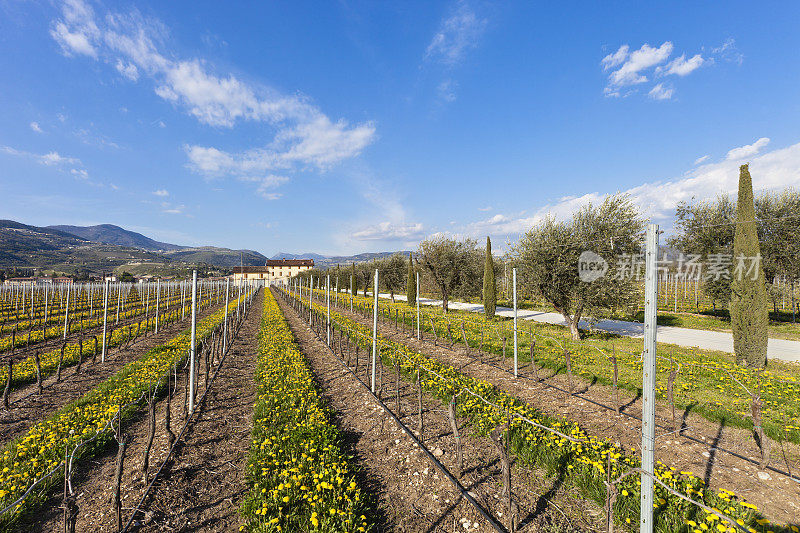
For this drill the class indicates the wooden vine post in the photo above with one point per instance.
(451, 411)
(9, 376)
(568, 361)
(60, 362)
(397, 385)
(611, 496)
(758, 429)
(151, 412)
(421, 426)
(68, 498)
(168, 413)
(497, 438)
(38, 371)
(122, 442)
(670, 391)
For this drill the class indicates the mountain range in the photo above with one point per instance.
(110, 234)
(107, 247)
(329, 261)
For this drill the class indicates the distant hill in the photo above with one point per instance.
(222, 257)
(328, 261)
(284, 255)
(210, 255)
(111, 234)
(59, 248)
(27, 246)
(106, 247)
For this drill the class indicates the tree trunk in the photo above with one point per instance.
(572, 324)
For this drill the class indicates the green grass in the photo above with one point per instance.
(703, 386)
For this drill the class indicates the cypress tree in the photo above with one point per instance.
(749, 311)
(353, 280)
(411, 283)
(489, 287)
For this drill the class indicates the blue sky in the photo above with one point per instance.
(342, 127)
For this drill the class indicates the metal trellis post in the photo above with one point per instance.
(192, 345)
(649, 376)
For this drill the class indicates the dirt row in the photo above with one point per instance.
(28, 406)
(201, 486)
(777, 496)
(410, 493)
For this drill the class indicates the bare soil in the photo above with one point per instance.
(411, 494)
(202, 484)
(776, 496)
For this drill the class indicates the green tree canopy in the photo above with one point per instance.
(547, 259)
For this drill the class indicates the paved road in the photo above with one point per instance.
(785, 350)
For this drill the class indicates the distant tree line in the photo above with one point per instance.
(546, 257)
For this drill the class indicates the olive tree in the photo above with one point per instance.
(365, 272)
(449, 262)
(548, 254)
(779, 235)
(706, 229)
(392, 272)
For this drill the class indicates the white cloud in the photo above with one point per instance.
(266, 184)
(77, 31)
(661, 92)
(487, 208)
(128, 70)
(54, 158)
(727, 51)
(700, 159)
(161, 192)
(638, 60)
(390, 231)
(680, 66)
(747, 150)
(322, 142)
(35, 127)
(772, 170)
(48, 159)
(79, 173)
(447, 90)
(134, 46)
(629, 69)
(172, 209)
(214, 163)
(457, 34)
(615, 59)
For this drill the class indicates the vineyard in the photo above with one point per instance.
(109, 400)
(270, 413)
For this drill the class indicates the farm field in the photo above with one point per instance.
(287, 436)
(88, 413)
(701, 446)
(778, 511)
(705, 382)
(201, 485)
